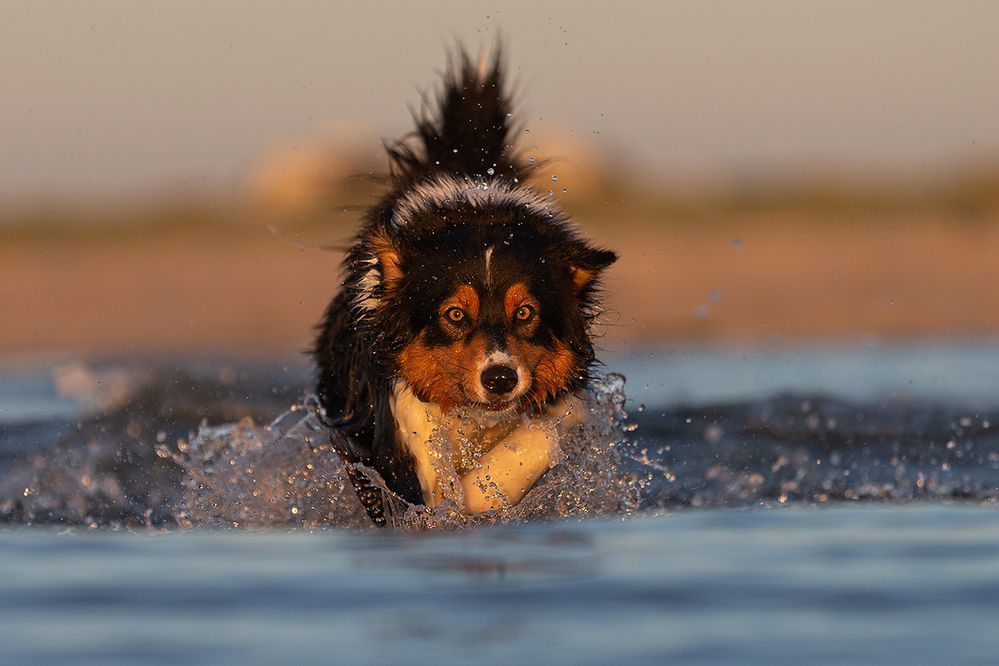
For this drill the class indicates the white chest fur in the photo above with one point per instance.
(483, 463)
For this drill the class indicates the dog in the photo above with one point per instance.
(465, 312)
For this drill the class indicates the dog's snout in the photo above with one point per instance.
(499, 379)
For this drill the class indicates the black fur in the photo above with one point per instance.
(467, 132)
(468, 136)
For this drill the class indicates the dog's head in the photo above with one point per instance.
(482, 295)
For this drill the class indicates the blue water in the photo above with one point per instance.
(821, 505)
(966, 371)
(841, 585)
(670, 375)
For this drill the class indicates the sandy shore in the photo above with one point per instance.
(239, 290)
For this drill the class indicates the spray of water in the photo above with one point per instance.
(142, 459)
(290, 472)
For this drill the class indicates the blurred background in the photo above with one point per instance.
(175, 178)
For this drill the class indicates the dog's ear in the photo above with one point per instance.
(586, 263)
(389, 261)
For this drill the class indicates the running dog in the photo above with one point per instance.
(465, 312)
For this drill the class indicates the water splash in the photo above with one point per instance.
(289, 472)
(284, 473)
(818, 450)
(150, 458)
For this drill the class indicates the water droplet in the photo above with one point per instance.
(554, 178)
(491, 171)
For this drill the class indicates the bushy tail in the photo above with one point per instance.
(466, 132)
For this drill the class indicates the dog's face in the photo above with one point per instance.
(492, 316)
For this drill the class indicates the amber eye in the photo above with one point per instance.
(455, 314)
(525, 313)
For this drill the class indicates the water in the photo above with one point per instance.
(937, 371)
(847, 584)
(843, 511)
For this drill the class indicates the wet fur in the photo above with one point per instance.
(457, 228)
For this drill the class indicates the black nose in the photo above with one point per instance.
(499, 379)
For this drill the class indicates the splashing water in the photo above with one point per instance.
(289, 472)
(283, 473)
(150, 458)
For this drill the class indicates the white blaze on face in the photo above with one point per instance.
(489, 261)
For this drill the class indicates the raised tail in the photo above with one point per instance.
(466, 131)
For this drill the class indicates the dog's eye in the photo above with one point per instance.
(455, 314)
(525, 313)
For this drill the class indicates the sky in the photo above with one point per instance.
(110, 98)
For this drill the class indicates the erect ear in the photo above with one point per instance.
(587, 262)
(389, 262)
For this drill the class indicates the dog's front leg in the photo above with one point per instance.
(509, 469)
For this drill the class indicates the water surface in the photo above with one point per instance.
(828, 505)
(847, 584)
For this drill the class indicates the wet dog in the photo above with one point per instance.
(465, 312)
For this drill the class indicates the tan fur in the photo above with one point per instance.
(552, 369)
(442, 375)
(581, 277)
(516, 297)
(388, 257)
(466, 298)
